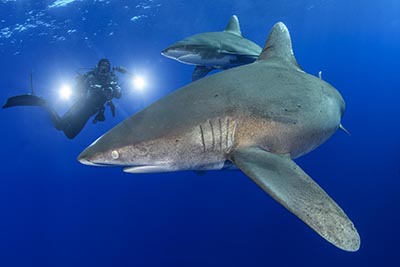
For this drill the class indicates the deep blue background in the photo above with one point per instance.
(56, 212)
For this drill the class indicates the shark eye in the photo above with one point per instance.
(115, 154)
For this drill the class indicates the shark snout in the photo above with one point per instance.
(89, 160)
(86, 162)
(93, 155)
(173, 52)
(86, 158)
(165, 52)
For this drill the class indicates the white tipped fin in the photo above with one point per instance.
(279, 47)
(233, 26)
(287, 183)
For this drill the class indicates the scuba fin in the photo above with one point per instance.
(36, 101)
(25, 100)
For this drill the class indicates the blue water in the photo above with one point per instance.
(56, 212)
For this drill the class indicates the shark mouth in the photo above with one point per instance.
(132, 168)
(225, 165)
(90, 163)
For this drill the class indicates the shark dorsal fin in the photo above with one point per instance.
(279, 47)
(233, 26)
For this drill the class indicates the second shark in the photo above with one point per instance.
(214, 50)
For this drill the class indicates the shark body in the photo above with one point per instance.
(214, 50)
(257, 117)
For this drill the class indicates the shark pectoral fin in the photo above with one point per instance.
(288, 184)
(200, 71)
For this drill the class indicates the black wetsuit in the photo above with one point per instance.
(94, 91)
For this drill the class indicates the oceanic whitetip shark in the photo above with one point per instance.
(258, 117)
(214, 50)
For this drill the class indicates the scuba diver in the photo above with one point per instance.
(94, 89)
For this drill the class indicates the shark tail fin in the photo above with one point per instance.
(233, 26)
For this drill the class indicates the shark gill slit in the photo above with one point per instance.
(227, 132)
(233, 133)
(202, 138)
(214, 131)
(212, 135)
(220, 134)
(232, 137)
